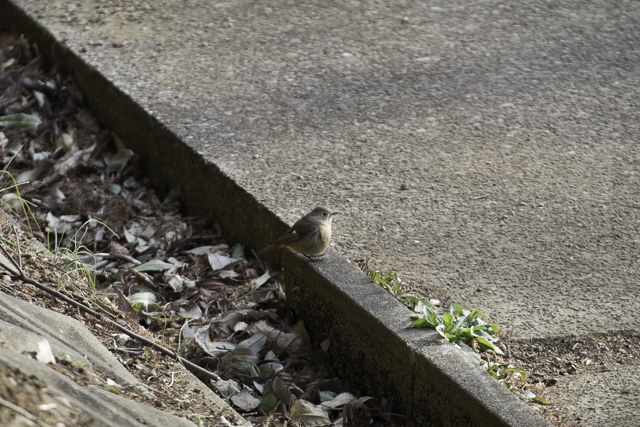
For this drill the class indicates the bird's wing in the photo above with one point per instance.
(301, 229)
(289, 237)
(304, 229)
(292, 235)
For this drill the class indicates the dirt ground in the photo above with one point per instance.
(168, 392)
(554, 364)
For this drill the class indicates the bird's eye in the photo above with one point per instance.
(324, 214)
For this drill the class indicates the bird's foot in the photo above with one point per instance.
(314, 258)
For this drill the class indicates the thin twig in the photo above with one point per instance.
(256, 255)
(45, 184)
(10, 258)
(189, 365)
(15, 231)
(127, 351)
(6, 267)
(19, 410)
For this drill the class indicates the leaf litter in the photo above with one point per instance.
(117, 241)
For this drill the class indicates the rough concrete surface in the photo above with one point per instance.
(24, 325)
(488, 152)
(513, 128)
(48, 391)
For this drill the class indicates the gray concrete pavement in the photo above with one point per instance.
(488, 152)
(514, 129)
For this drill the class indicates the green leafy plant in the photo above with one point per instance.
(19, 121)
(459, 326)
(390, 282)
(463, 328)
(396, 287)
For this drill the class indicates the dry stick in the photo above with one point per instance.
(127, 258)
(21, 276)
(10, 258)
(7, 289)
(18, 246)
(256, 255)
(19, 410)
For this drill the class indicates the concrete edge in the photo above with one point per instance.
(371, 347)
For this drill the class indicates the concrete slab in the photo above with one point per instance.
(512, 128)
(89, 404)
(486, 151)
(23, 326)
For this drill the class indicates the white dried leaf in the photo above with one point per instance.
(309, 414)
(44, 353)
(218, 262)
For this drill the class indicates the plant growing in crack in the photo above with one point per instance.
(74, 259)
(463, 328)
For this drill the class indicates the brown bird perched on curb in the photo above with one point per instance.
(310, 235)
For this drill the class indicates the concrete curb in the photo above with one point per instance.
(372, 348)
(370, 345)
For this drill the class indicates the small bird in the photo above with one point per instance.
(310, 235)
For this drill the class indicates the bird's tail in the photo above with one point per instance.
(269, 248)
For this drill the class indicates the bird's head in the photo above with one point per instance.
(323, 214)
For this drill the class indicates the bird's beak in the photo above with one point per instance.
(334, 213)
